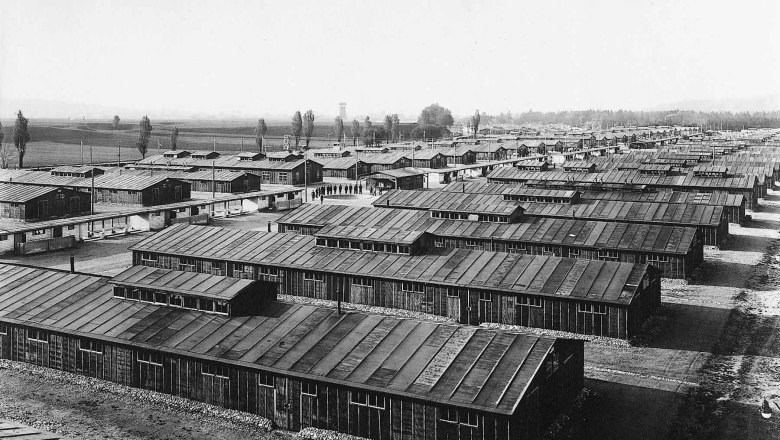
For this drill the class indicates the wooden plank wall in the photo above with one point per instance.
(556, 313)
(241, 389)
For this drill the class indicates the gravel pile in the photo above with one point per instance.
(597, 340)
(366, 309)
(667, 283)
(216, 415)
(324, 434)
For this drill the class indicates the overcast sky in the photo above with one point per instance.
(253, 58)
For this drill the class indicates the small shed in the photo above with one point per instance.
(428, 158)
(388, 161)
(77, 171)
(402, 178)
(331, 153)
(342, 167)
(282, 156)
(579, 167)
(196, 291)
(490, 151)
(532, 165)
(204, 155)
(711, 171)
(249, 156)
(461, 155)
(374, 239)
(655, 169)
(176, 154)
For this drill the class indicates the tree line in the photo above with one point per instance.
(434, 122)
(604, 119)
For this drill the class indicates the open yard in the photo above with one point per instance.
(709, 356)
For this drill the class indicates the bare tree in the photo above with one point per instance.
(116, 122)
(6, 156)
(338, 127)
(174, 137)
(144, 134)
(355, 132)
(260, 132)
(308, 126)
(21, 136)
(297, 126)
(475, 123)
(367, 123)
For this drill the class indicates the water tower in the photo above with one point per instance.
(343, 111)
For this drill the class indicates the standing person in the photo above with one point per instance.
(322, 199)
(360, 187)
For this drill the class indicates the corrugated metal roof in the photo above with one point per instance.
(630, 212)
(384, 354)
(385, 158)
(499, 188)
(571, 232)
(426, 154)
(625, 177)
(401, 172)
(337, 163)
(717, 198)
(364, 233)
(577, 164)
(453, 267)
(457, 151)
(226, 161)
(176, 281)
(207, 175)
(451, 201)
(10, 193)
(132, 181)
(74, 169)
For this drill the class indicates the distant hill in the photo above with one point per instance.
(762, 103)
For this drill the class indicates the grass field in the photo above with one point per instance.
(60, 143)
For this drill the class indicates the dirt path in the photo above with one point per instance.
(84, 408)
(710, 334)
(744, 367)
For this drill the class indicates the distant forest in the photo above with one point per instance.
(608, 118)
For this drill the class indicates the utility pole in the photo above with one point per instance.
(92, 194)
(305, 177)
(119, 160)
(213, 180)
(82, 152)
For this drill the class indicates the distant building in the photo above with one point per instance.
(343, 111)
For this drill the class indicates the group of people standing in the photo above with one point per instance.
(326, 190)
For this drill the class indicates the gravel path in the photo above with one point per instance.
(86, 408)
